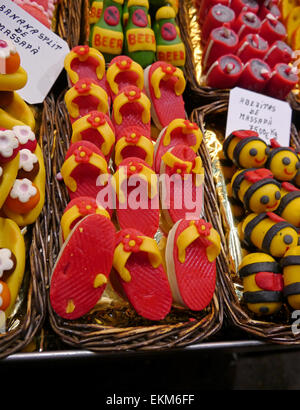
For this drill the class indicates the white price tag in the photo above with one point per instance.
(270, 117)
(42, 52)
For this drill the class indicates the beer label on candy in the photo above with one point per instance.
(42, 52)
(269, 117)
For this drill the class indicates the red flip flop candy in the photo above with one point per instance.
(181, 185)
(139, 274)
(97, 128)
(83, 266)
(179, 131)
(123, 72)
(191, 251)
(164, 85)
(86, 62)
(76, 210)
(137, 198)
(131, 107)
(85, 172)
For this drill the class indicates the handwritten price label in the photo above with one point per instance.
(42, 52)
(270, 117)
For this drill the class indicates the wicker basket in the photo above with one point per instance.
(278, 329)
(27, 321)
(120, 328)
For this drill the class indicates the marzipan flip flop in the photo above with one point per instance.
(191, 252)
(164, 85)
(131, 107)
(122, 72)
(137, 198)
(134, 143)
(95, 127)
(85, 96)
(179, 131)
(83, 266)
(139, 274)
(76, 210)
(181, 185)
(84, 164)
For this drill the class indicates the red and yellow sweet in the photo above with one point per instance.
(181, 185)
(290, 264)
(257, 190)
(283, 162)
(139, 274)
(246, 149)
(76, 210)
(262, 283)
(85, 96)
(83, 266)
(85, 62)
(137, 197)
(191, 251)
(179, 131)
(83, 166)
(290, 204)
(122, 72)
(134, 143)
(268, 232)
(13, 109)
(12, 263)
(164, 85)
(97, 128)
(131, 107)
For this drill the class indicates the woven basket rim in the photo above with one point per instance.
(270, 331)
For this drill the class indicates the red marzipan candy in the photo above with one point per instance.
(87, 252)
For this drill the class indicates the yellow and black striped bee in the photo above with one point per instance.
(263, 283)
(246, 149)
(268, 232)
(256, 189)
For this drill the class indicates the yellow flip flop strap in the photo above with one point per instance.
(72, 214)
(95, 90)
(114, 70)
(121, 100)
(147, 174)
(70, 164)
(143, 143)
(160, 75)
(180, 123)
(190, 234)
(100, 69)
(121, 257)
(170, 160)
(105, 130)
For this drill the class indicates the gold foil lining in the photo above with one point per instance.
(214, 141)
(195, 36)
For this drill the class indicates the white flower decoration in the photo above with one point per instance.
(24, 133)
(27, 160)
(6, 262)
(23, 190)
(8, 142)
